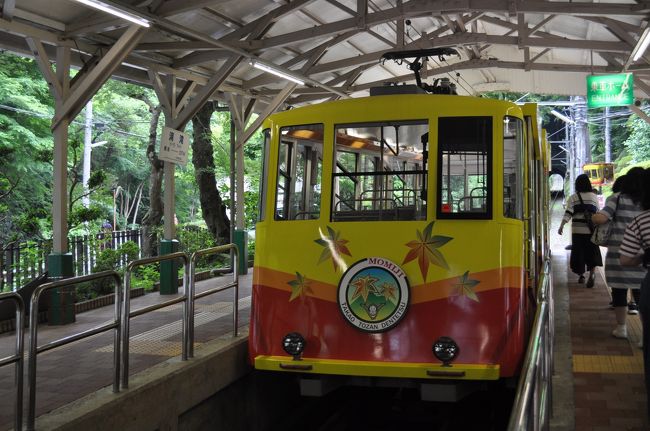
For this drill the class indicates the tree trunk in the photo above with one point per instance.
(153, 217)
(212, 207)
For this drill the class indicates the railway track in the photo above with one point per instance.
(384, 409)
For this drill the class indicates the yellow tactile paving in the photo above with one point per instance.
(153, 342)
(608, 364)
(151, 347)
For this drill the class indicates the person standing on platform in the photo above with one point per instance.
(620, 208)
(635, 250)
(583, 251)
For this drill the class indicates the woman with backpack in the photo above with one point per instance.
(579, 208)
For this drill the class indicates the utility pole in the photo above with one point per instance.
(88, 148)
(88, 141)
(608, 139)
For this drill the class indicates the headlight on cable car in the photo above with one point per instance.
(446, 350)
(294, 344)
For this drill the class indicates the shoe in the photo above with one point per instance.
(620, 332)
(592, 278)
(581, 279)
(632, 308)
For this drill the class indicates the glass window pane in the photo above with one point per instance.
(513, 148)
(263, 182)
(380, 171)
(464, 165)
(300, 166)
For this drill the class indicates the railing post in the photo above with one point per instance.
(19, 356)
(126, 314)
(192, 288)
(34, 349)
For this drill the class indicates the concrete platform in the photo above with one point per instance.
(598, 381)
(76, 370)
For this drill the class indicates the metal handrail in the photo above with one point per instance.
(127, 313)
(531, 409)
(34, 349)
(17, 358)
(235, 284)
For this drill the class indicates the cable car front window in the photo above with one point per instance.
(380, 171)
(464, 166)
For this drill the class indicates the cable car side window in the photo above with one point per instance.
(300, 168)
(513, 156)
(380, 171)
(263, 186)
(464, 168)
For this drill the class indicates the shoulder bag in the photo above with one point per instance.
(587, 214)
(602, 232)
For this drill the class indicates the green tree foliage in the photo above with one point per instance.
(638, 143)
(25, 149)
(252, 166)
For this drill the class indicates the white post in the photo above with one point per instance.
(88, 142)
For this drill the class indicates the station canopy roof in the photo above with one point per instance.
(335, 46)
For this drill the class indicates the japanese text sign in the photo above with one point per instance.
(610, 90)
(174, 146)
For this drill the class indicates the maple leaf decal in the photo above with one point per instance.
(389, 291)
(466, 286)
(363, 287)
(299, 287)
(334, 247)
(425, 250)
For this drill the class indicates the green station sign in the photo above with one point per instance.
(610, 90)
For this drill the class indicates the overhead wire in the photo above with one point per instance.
(75, 122)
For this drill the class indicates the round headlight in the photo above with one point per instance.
(294, 344)
(445, 349)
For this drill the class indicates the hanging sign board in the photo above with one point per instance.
(174, 146)
(610, 90)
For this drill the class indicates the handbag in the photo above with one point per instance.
(602, 232)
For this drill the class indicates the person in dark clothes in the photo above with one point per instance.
(584, 253)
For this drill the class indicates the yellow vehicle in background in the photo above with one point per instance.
(599, 173)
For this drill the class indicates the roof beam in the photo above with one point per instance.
(319, 50)
(270, 17)
(205, 93)
(479, 63)
(175, 7)
(201, 57)
(270, 108)
(441, 7)
(8, 9)
(540, 42)
(43, 61)
(95, 23)
(174, 46)
(99, 74)
(638, 111)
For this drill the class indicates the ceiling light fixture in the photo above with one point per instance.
(562, 117)
(116, 11)
(641, 45)
(272, 71)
